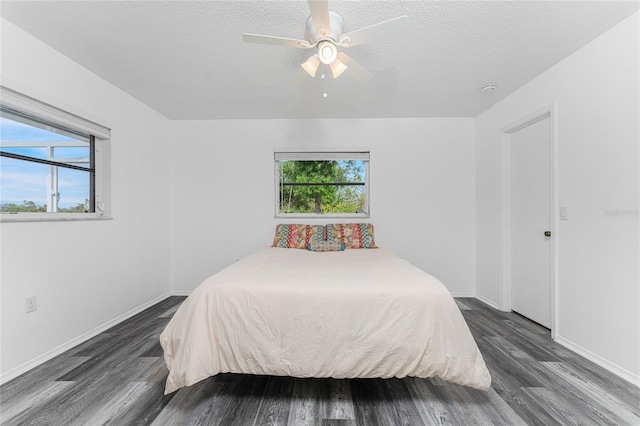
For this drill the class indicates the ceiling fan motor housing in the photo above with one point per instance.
(316, 34)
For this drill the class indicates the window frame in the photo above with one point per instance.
(322, 155)
(15, 103)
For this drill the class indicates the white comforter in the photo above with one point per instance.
(287, 312)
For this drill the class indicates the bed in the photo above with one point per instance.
(340, 314)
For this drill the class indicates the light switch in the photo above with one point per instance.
(564, 214)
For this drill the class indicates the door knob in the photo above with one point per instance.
(547, 233)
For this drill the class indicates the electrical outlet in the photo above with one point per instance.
(32, 304)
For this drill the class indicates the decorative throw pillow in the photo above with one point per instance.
(315, 233)
(352, 235)
(297, 236)
(325, 246)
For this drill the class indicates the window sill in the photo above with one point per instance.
(50, 217)
(322, 216)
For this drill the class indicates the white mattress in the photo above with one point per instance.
(350, 314)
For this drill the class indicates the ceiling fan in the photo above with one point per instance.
(324, 33)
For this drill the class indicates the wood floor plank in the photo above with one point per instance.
(117, 407)
(309, 402)
(87, 349)
(561, 410)
(169, 312)
(468, 404)
(338, 422)
(585, 403)
(24, 386)
(192, 403)
(499, 411)
(109, 352)
(242, 411)
(276, 403)
(617, 408)
(431, 407)
(608, 380)
(148, 404)
(509, 377)
(463, 306)
(384, 402)
(406, 411)
(508, 347)
(517, 369)
(340, 404)
(89, 396)
(370, 405)
(14, 412)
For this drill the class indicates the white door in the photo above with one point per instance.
(530, 219)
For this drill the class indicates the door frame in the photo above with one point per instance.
(504, 294)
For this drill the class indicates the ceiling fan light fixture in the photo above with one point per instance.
(337, 68)
(324, 32)
(327, 52)
(311, 65)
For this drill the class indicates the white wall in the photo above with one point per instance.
(422, 186)
(84, 273)
(597, 94)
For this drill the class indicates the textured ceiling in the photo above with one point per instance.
(187, 60)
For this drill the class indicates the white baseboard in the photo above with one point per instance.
(471, 295)
(623, 373)
(486, 301)
(181, 292)
(41, 359)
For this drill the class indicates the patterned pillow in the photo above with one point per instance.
(297, 236)
(315, 233)
(325, 246)
(352, 235)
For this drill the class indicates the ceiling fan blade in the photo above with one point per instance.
(354, 69)
(279, 41)
(320, 16)
(375, 32)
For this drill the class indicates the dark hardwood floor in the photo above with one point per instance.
(117, 378)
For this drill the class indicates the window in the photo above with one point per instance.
(314, 184)
(50, 162)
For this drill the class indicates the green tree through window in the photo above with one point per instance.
(324, 186)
